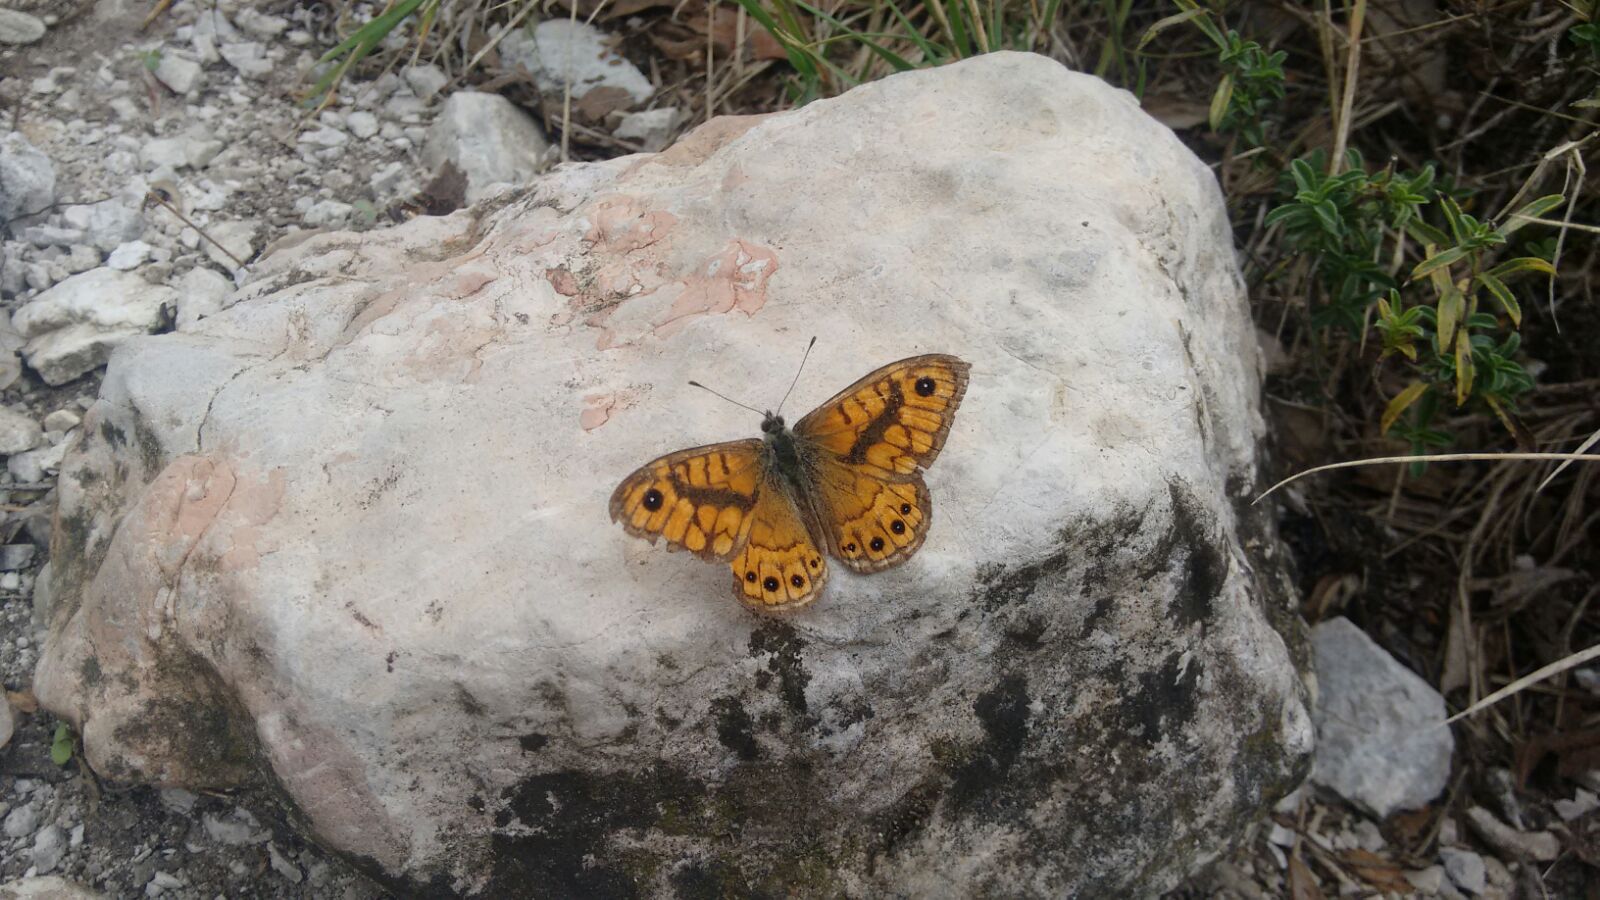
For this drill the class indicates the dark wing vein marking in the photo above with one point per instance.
(873, 433)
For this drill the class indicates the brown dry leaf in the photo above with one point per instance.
(1456, 668)
(1331, 594)
(1376, 871)
(1302, 884)
(723, 23)
(685, 49)
(1176, 111)
(600, 102)
(23, 700)
(1576, 752)
(1409, 827)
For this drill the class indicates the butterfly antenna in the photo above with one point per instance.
(726, 397)
(797, 374)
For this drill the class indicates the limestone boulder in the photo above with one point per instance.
(350, 536)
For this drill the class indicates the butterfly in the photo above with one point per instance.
(846, 482)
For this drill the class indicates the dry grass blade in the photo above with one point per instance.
(1582, 448)
(1442, 457)
(1555, 668)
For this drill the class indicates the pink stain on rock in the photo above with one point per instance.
(735, 279)
(619, 225)
(598, 408)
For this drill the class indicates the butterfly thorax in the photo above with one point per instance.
(783, 450)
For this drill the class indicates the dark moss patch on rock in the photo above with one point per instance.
(783, 647)
(1003, 712)
(1167, 699)
(556, 831)
(1203, 568)
(735, 728)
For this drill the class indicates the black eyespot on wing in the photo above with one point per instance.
(898, 527)
(877, 544)
(771, 584)
(850, 547)
(815, 563)
(905, 509)
(750, 577)
(925, 386)
(798, 581)
(652, 499)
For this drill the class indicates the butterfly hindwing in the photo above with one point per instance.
(870, 524)
(780, 567)
(702, 499)
(892, 423)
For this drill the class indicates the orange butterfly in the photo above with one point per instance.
(847, 479)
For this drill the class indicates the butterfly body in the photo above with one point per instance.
(844, 482)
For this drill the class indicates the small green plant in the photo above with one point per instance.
(151, 59)
(1350, 222)
(338, 61)
(920, 35)
(63, 744)
(1252, 79)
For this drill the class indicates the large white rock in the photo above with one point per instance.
(350, 535)
(1381, 741)
(72, 327)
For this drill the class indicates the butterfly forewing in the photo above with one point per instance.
(700, 499)
(893, 422)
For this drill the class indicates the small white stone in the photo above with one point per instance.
(17, 27)
(178, 72)
(260, 24)
(129, 256)
(362, 124)
(21, 822)
(1465, 869)
(324, 137)
(651, 129)
(81, 258)
(62, 420)
(1581, 804)
(125, 108)
(18, 432)
(48, 846)
(249, 57)
(201, 293)
(324, 213)
(425, 80)
(1427, 881)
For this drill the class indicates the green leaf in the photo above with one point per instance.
(1464, 368)
(61, 745)
(1399, 404)
(1508, 302)
(1533, 210)
(1453, 218)
(1163, 24)
(1219, 102)
(1522, 264)
(1424, 233)
(1451, 306)
(1438, 261)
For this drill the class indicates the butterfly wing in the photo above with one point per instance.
(865, 449)
(780, 567)
(892, 423)
(701, 499)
